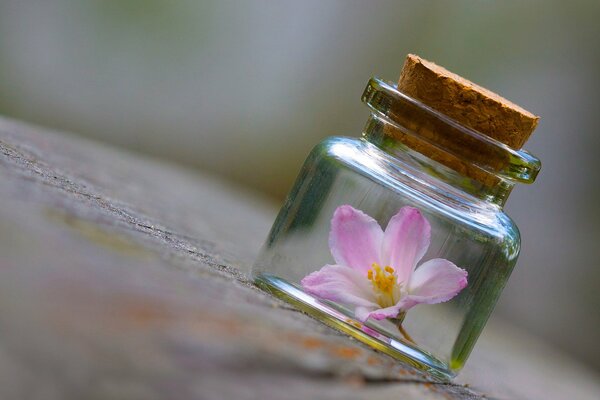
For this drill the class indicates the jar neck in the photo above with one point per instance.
(375, 133)
(472, 163)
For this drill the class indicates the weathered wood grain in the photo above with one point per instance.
(125, 278)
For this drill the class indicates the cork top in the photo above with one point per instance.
(467, 103)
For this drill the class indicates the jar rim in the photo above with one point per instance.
(444, 133)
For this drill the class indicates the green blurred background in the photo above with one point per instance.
(244, 89)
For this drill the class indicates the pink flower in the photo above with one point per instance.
(375, 271)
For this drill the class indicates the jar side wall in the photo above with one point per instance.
(300, 209)
(495, 270)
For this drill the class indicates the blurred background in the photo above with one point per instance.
(244, 89)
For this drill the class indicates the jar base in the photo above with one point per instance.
(364, 332)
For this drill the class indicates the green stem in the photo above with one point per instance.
(398, 322)
(405, 334)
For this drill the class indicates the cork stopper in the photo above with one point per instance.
(465, 102)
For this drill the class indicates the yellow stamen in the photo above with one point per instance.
(385, 284)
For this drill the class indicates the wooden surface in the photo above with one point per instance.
(122, 277)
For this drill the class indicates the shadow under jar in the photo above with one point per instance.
(409, 155)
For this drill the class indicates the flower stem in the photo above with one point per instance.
(405, 334)
(398, 322)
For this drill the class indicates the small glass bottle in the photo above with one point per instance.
(431, 163)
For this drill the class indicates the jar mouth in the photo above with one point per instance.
(427, 128)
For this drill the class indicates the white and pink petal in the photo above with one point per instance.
(355, 239)
(363, 313)
(341, 284)
(436, 281)
(405, 241)
(388, 312)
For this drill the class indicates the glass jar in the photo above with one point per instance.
(410, 157)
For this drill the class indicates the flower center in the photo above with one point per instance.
(385, 283)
